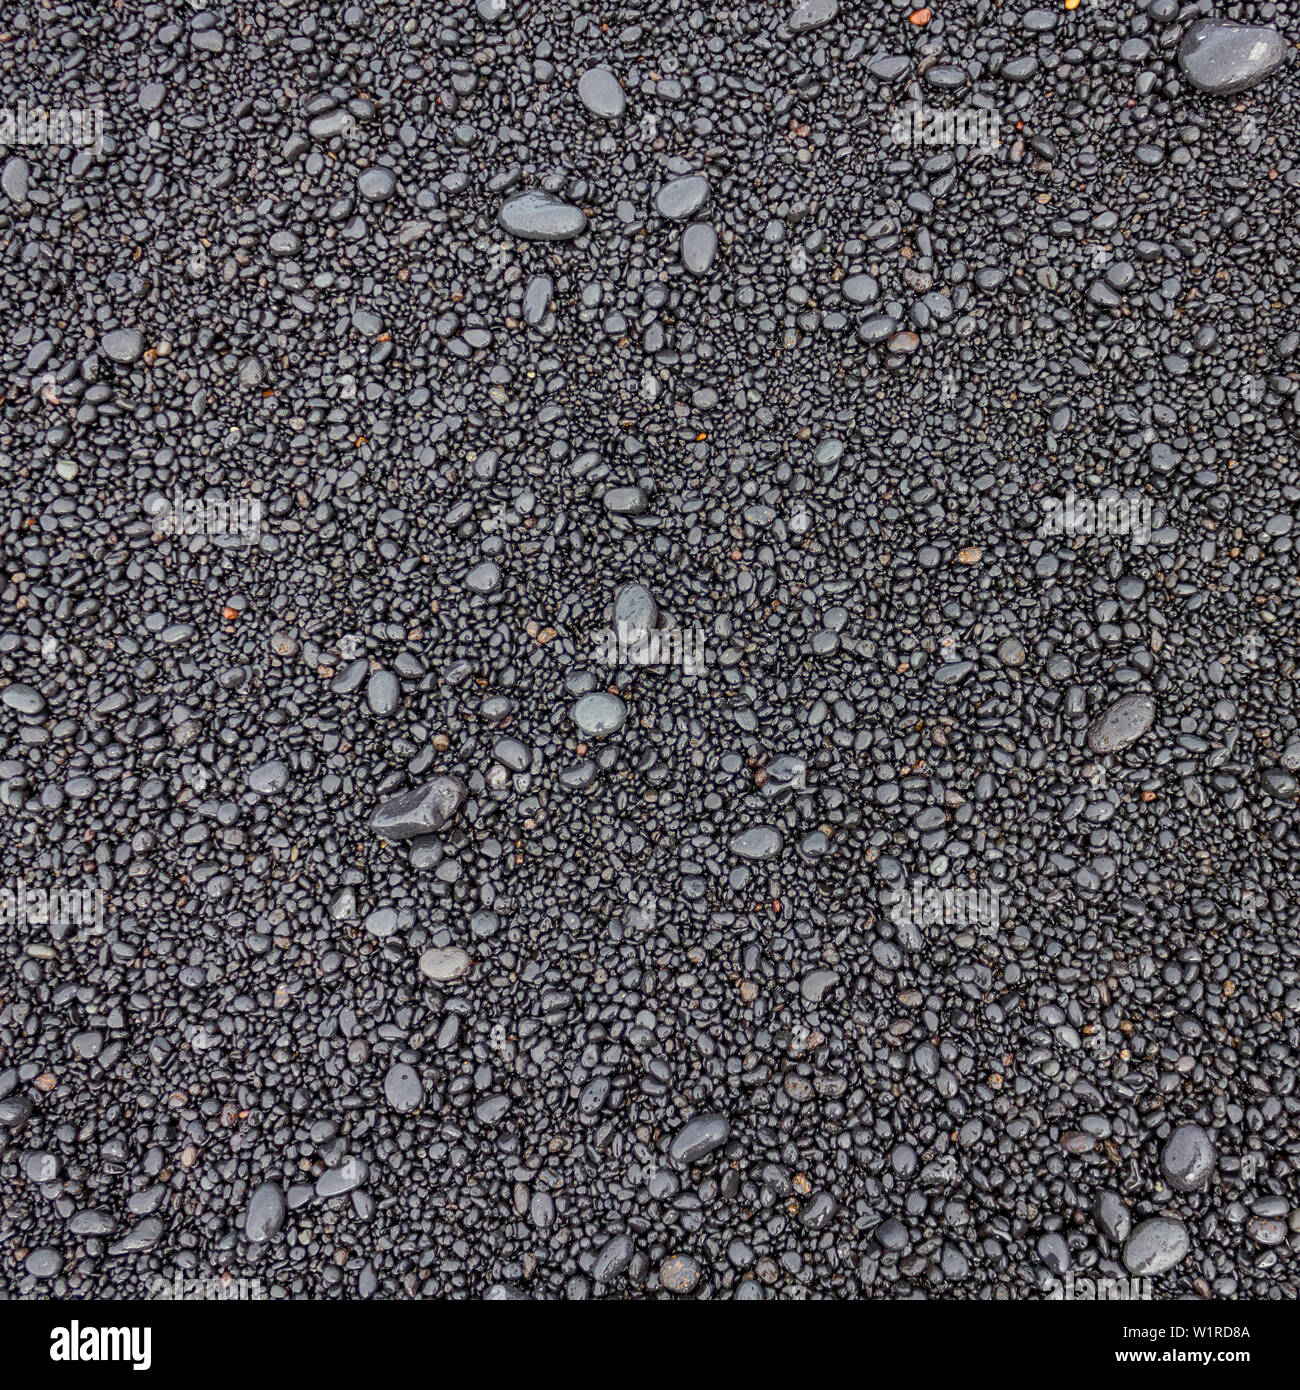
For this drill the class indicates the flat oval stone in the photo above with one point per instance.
(682, 198)
(626, 501)
(444, 963)
(484, 578)
(600, 714)
(1123, 723)
(537, 299)
(13, 179)
(635, 612)
(123, 345)
(347, 1177)
(1222, 57)
(861, 289)
(270, 778)
(1187, 1158)
(699, 247)
(383, 693)
(266, 1211)
(812, 14)
(945, 77)
(377, 185)
(23, 698)
(613, 1259)
(758, 842)
(403, 1088)
(602, 93)
(699, 1137)
(876, 328)
(539, 216)
(1156, 1246)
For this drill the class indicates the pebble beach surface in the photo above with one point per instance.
(650, 652)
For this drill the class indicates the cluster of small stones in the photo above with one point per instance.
(439, 958)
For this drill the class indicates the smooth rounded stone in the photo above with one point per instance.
(1222, 57)
(1156, 1246)
(1113, 1219)
(600, 714)
(14, 1110)
(1011, 652)
(92, 1223)
(270, 778)
(444, 963)
(403, 1088)
(346, 1177)
(636, 613)
(423, 810)
(1266, 1230)
(43, 1263)
(484, 578)
(944, 77)
(383, 693)
(512, 754)
(614, 1258)
(861, 289)
(602, 93)
(23, 698)
(483, 924)
(758, 842)
(505, 1293)
(699, 247)
(681, 198)
(539, 216)
(812, 14)
(816, 983)
(123, 345)
(1280, 784)
(377, 185)
(698, 1138)
(1123, 723)
(1188, 1158)
(382, 922)
(889, 67)
(679, 1274)
(537, 299)
(626, 501)
(876, 328)
(904, 342)
(266, 1212)
(13, 179)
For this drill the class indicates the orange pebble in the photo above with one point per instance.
(920, 17)
(230, 614)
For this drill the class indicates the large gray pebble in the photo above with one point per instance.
(1222, 57)
(1123, 723)
(1156, 1246)
(539, 216)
